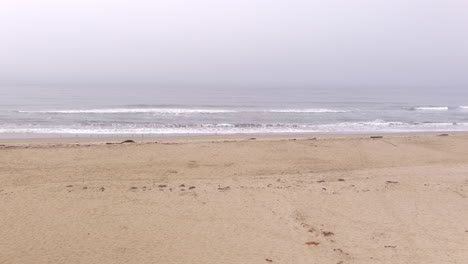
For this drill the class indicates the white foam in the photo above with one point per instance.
(345, 127)
(463, 107)
(150, 131)
(135, 110)
(431, 108)
(312, 110)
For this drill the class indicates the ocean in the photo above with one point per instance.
(61, 110)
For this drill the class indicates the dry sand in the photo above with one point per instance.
(400, 199)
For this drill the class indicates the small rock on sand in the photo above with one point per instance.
(222, 189)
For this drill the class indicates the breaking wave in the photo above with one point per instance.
(430, 108)
(135, 110)
(227, 128)
(313, 110)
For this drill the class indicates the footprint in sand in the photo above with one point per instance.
(339, 250)
(193, 164)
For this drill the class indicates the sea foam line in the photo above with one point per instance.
(369, 126)
(312, 110)
(431, 108)
(135, 110)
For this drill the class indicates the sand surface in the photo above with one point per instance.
(400, 199)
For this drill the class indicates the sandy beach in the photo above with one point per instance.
(244, 199)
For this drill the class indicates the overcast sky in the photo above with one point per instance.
(237, 42)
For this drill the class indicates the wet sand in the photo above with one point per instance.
(242, 199)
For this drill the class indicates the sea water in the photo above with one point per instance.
(156, 110)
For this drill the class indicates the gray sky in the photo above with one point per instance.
(237, 42)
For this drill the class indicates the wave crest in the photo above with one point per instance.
(311, 110)
(135, 110)
(430, 108)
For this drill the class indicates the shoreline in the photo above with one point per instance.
(208, 138)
